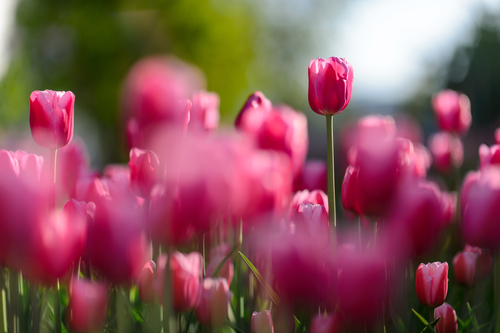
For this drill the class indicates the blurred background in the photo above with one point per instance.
(402, 52)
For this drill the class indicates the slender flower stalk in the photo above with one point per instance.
(496, 279)
(331, 170)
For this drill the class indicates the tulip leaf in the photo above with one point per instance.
(425, 322)
(474, 320)
(219, 267)
(233, 327)
(397, 321)
(274, 297)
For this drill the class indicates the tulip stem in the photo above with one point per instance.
(496, 281)
(167, 295)
(431, 315)
(35, 309)
(53, 167)
(57, 308)
(331, 171)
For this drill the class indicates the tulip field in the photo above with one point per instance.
(212, 229)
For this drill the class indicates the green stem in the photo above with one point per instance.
(3, 303)
(57, 308)
(431, 315)
(331, 171)
(35, 309)
(496, 281)
(167, 297)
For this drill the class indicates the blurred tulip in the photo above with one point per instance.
(330, 85)
(317, 197)
(432, 283)
(349, 188)
(447, 151)
(452, 110)
(51, 118)
(186, 273)
(414, 159)
(448, 322)
(312, 220)
(144, 172)
(261, 322)
(146, 282)
(489, 155)
(480, 208)
(21, 165)
(256, 101)
(327, 324)
(375, 127)
(72, 164)
(88, 305)
(216, 255)
(464, 267)
(91, 188)
(214, 302)
(204, 113)
(483, 262)
(312, 177)
(497, 136)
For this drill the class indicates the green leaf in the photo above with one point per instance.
(397, 321)
(274, 297)
(425, 322)
(219, 267)
(474, 320)
(236, 329)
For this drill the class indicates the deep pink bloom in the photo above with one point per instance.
(216, 255)
(256, 101)
(414, 159)
(21, 165)
(73, 163)
(312, 177)
(146, 282)
(349, 191)
(327, 324)
(88, 305)
(317, 197)
(144, 172)
(489, 155)
(261, 322)
(432, 283)
(204, 113)
(330, 85)
(480, 208)
(464, 267)
(497, 136)
(186, 270)
(452, 111)
(312, 220)
(214, 302)
(447, 150)
(375, 127)
(448, 322)
(51, 117)
(90, 188)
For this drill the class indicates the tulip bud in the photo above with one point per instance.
(464, 267)
(349, 195)
(51, 118)
(489, 155)
(144, 171)
(87, 306)
(448, 322)
(312, 177)
(256, 101)
(447, 151)
(330, 85)
(312, 220)
(262, 322)
(214, 302)
(146, 282)
(432, 283)
(452, 111)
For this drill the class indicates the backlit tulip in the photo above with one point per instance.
(317, 197)
(447, 151)
(144, 172)
(448, 322)
(51, 118)
(146, 282)
(214, 302)
(349, 191)
(432, 283)
(452, 110)
(312, 221)
(73, 163)
(261, 322)
(256, 101)
(330, 85)
(88, 305)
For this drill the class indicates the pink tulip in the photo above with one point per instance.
(261, 322)
(317, 197)
(21, 165)
(452, 111)
(73, 163)
(256, 101)
(464, 267)
(312, 220)
(330, 85)
(497, 136)
(88, 305)
(204, 113)
(91, 188)
(432, 283)
(327, 324)
(483, 263)
(375, 126)
(186, 278)
(448, 322)
(414, 159)
(447, 151)
(312, 177)
(144, 172)
(146, 282)
(214, 302)
(216, 255)
(349, 191)
(51, 118)
(489, 155)
(480, 203)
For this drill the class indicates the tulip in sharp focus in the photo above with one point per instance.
(452, 111)
(330, 85)
(448, 322)
(262, 322)
(214, 302)
(87, 308)
(432, 283)
(51, 118)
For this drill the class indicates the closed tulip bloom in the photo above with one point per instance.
(146, 282)
(489, 155)
(261, 322)
(349, 191)
(214, 302)
(204, 113)
(256, 101)
(375, 126)
(317, 197)
(330, 85)
(452, 110)
(51, 118)
(327, 324)
(464, 267)
(21, 165)
(312, 220)
(447, 151)
(448, 322)
(483, 262)
(88, 305)
(432, 283)
(144, 172)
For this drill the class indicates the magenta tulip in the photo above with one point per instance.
(330, 85)
(447, 150)
(51, 118)
(146, 282)
(204, 115)
(312, 221)
(452, 111)
(144, 172)
(257, 105)
(312, 177)
(88, 305)
(489, 155)
(261, 322)
(214, 302)
(448, 322)
(432, 283)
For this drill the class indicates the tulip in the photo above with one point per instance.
(51, 118)
(261, 322)
(144, 172)
(447, 151)
(448, 322)
(464, 267)
(375, 126)
(497, 136)
(256, 101)
(312, 220)
(489, 155)
(317, 197)
(204, 113)
(88, 305)
(73, 163)
(146, 282)
(432, 283)
(330, 85)
(214, 302)
(21, 165)
(216, 255)
(186, 272)
(349, 191)
(414, 159)
(312, 177)
(327, 324)
(483, 262)
(452, 111)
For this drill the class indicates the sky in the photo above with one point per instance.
(390, 43)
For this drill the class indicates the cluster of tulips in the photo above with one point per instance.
(209, 230)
